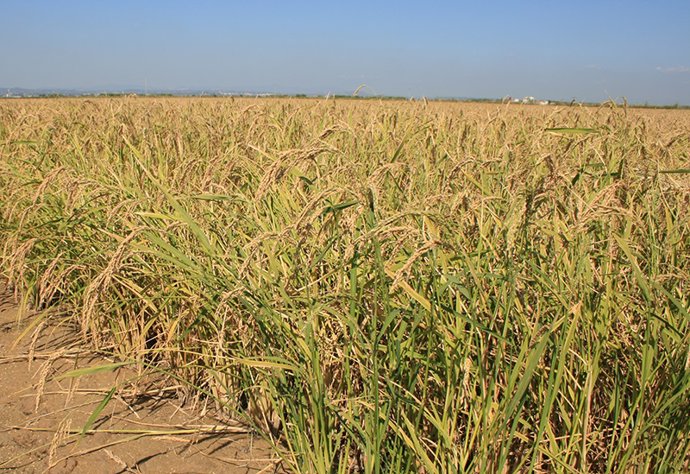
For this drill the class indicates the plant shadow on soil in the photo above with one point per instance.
(142, 429)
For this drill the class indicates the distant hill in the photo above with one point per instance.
(10, 92)
(46, 92)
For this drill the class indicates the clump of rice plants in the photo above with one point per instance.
(378, 287)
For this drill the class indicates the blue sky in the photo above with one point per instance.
(588, 50)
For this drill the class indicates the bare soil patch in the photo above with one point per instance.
(142, 430)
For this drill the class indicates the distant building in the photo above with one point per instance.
(525, 100)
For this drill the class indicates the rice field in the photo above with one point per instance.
(376, 286)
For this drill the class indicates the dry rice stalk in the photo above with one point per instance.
(402, 272)
(281, 164)
(17, 264)
(61, 434)
(123, 465)
(34, 340)
(102, 281)
(43, 373)
(46, 285)
(251, 248)
(308, 209)
(46, 182)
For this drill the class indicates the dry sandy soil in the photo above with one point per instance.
(140, 430)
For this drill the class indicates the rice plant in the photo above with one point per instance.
(375, 286)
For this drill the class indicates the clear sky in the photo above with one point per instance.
(588, 50)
